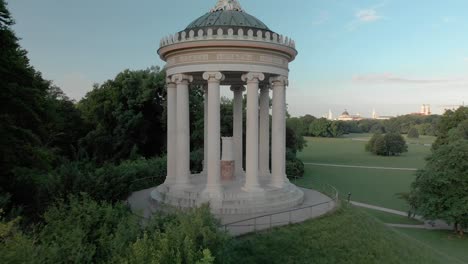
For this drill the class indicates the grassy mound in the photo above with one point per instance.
(347, 236)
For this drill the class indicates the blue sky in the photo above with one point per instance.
(391, 55)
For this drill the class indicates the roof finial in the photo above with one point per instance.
(228, 5)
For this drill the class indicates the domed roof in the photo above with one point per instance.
(227, 13)
(345, 113)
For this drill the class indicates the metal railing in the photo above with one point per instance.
(295, 215)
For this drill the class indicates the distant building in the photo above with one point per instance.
(345, 116)
(425, 110)
(330, 115)
(375, 116)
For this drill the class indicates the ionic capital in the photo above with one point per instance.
(213, 76)
(170, 83)
(253, 77)
(238, 88)
(181, 78)
(279, 80)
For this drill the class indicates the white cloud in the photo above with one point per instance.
(367, 15)
(388, 78)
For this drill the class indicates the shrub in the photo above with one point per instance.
(389, 145)
(294, 168)
(413, 133)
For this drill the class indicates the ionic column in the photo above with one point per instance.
(278, 132)
(264, 141)
(171, 132)
(251, 172)
(237, 129)
(213, 184)
(183, 130)
(205, 128)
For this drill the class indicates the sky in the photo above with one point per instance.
(388, 55)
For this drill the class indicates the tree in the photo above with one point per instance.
(126, 113)
(395, 143)
(391, 144)
(440, 189)
(319, 128)
(449, 121)
(413, 133)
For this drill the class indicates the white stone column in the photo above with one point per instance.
(205, 128)
(278, 148)
(171, 132)
(264, 140)
(213, 184)
(183, 130)
(252, 183)
(238, 129)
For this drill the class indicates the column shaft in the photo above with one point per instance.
(171, 132)
(252, 183)
(205, 128)
(279, 132)
(213, 185)
(264, 141)
(238, 129)
(183, 131)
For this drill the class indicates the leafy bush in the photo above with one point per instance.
(413, 133)
(392, 144)
(294, 168)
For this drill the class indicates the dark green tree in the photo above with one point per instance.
(413, 133)
(320, 128)
(395, 143)
(440, 189)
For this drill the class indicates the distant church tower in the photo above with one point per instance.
(330, 115)
(374, 114)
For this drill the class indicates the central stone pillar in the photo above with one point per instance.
(183, 130)
(171, 132)
(278, 147)
(205, 131)
(252, 183)
(264, 145)
(213, 185)
(237, 129)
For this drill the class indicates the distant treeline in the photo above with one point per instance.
(320, 127)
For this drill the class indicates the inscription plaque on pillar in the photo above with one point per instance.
(227, 160)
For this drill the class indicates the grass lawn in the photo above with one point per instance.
(371, 186)
(389, 218)
(349, 150)
(347, 236)
(442, 241)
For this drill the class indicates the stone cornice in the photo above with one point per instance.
(253, 77)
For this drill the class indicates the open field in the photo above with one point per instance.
(347, 236)
(368, 185)
(349, 150)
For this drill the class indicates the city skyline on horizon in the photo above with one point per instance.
(356, 56)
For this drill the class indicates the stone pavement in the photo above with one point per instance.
(315, 205)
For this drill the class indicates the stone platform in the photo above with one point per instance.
(234, 200)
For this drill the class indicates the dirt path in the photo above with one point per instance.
(360, 167)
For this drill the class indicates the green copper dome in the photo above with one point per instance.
(227, 18)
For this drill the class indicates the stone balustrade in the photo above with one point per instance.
(229, 34)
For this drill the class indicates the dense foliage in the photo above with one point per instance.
(440, 189)
(390, 144)
(85, 231)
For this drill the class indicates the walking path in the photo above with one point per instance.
(432, 225)
(360, 167)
